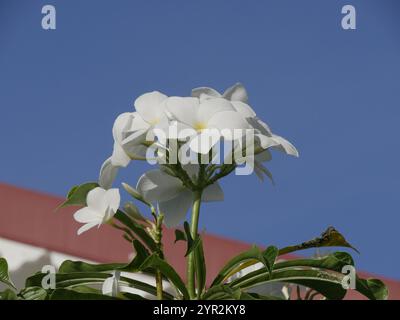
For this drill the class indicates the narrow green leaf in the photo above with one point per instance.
(179, 236)
(77, 195)
(66, 294)
(168, 271)
(328, 283)
(252, 254)
(141, 255)
(70, 280)
(33, 293)
(69, 266)
(335, 262)
(270, 255)
(192, 244)
(137, 229)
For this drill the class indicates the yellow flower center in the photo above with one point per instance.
(199, 126)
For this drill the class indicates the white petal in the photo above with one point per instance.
(87, 215)
(86, 227)
(133, 139)
(260, 126)
(244, 109)
(236, 93)
(176, 208)
(108, 172)
(150, 107)
(203, 142)
(213, 193)
(205, 93)
(119, 157)
(285, 146)
(227, 122)
(265, 141)
(121, 124)
(138, 123)
(94, 199)
(155, 185)
(112, 198)
(184, 109)
(210, 107)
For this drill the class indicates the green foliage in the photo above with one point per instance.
(77, 195)
(4, 275)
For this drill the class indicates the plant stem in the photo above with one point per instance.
(158, 237)
(159, 285)
(193, 232)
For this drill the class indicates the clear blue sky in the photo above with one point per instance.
(335, 94)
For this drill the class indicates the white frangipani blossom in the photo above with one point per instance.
(130, 132)
(172, 197)
(237, 95)
(209, 120)
(101, 207)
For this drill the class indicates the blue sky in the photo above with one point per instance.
(333, 93)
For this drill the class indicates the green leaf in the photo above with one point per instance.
(192, 244)
(329, 238)
(77, 195)
(373, 289)
(334, 262)
(256, 296)
(70, 280)
(270, 255)
(69, 266)
(328, 283)
(179, 236)
(8, 294)
(324, 270)
(253, 255)
(137, 229)
(141, 255)
(33, 293)
(65, 294)
(4, 275)
(168, 271)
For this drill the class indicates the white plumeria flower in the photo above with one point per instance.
(101, 207)
(130, 132)
(172, 197)
(237, 95)
(208, 119)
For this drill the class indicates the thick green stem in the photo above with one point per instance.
(193, 232)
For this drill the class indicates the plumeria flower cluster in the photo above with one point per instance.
(184, 137)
